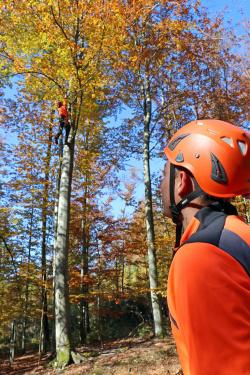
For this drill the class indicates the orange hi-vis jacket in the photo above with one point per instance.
(63, 112)
(209, 295)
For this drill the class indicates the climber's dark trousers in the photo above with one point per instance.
(63, 124)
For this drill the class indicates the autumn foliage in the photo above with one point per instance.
(106, 58)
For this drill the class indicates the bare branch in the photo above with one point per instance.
(9, 251)
(58, 24)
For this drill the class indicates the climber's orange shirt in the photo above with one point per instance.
(63, 110)
(209, 296)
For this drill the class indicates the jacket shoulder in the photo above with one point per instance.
(228, 233)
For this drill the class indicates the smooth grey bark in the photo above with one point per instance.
(12, 341)
(84, 306)
(152, 264)
(58, 180)
(63, 342)
(44, 327)
(62, 336)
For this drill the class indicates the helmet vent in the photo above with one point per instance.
(243, 147)
(218, 172)
(179, 158)
(176, 141)
(227, 140)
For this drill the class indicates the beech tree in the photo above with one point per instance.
(152, 33)
(58, 44)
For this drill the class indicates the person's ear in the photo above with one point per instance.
(184, 184)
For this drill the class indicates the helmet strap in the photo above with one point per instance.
(176, 208)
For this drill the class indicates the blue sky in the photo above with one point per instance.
(235, 10)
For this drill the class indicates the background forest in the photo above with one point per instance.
(82, 258)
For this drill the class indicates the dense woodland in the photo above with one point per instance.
(71, 270)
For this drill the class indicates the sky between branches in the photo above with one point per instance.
(237, 12)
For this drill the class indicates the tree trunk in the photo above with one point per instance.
(26, 296)
(44, 330)
(12, 341)
(98, 302)
(152, 264)
(245, 202)
(44, 326)
(84, 308)
(63, 343)
(58, 179)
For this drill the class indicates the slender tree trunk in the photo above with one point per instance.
(26, 296)
(122, 256)
(44, 326)
(152, 264)
(123, 266)
(58, 179)
(84, 308)
(99, 325)
(98, 301)
(44, 329)
(63, 342)
(245, 202)
(12, 341)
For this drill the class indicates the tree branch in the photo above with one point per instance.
(59, 25)
(9, 251)
(37, 73)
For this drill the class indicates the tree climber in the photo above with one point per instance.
(63, 120)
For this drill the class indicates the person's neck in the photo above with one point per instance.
(189, 212)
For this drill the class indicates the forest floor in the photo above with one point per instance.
(132, 356)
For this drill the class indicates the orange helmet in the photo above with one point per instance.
(217, 154)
